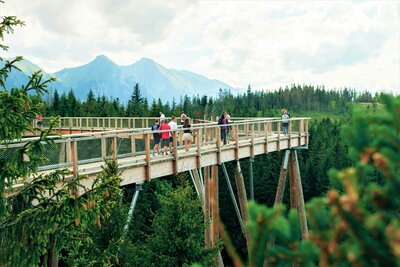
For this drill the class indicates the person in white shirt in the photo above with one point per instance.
(174, 127)
(162, 118)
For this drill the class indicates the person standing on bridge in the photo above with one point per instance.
(162, 118)
(39, 120)
(174, 127)
(156, 137)
(187, 135)
(165, 136)
(285, 121)
(183, 118)
(223, 122)
(228, 128)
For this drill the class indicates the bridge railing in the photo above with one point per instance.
(105, 122)
(84, 152)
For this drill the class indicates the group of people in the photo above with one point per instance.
(166, 137)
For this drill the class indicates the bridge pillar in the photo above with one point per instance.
(206, 209)
(242, 198)
(282, 178)
(295, 173)
(251, 160)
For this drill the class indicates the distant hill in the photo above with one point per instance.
(107, 78)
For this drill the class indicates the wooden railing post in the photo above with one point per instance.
(236, 142)
(68, 150)
(199, 138)
(301, 130)
(147, 138)
(133, 144)
(114, 148)
(175, 153)
(306, 131)
(74, 154)
(103, 143)
(266, 137)
(218, 142)
(279, 136)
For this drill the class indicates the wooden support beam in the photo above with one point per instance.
(214, 204)
(214, 209)
(242, 198)
(282, 179)
(300, 198)
(293, 189)
(207, 206)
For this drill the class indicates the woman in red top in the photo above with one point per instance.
(165, 136)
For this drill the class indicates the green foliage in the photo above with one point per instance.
(270, 225)
(176, 233)
(366, 208)
(356, 224)
(36, 222)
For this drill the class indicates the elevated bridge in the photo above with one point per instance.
(83, 144)
(129, 140)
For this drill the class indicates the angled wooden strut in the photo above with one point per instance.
(282, 178)
(242, 198)
(295, 173)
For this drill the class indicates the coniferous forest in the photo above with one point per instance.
(350, 178)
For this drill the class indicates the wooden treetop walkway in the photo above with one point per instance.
(129, 141)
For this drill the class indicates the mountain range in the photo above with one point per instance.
(107, 78)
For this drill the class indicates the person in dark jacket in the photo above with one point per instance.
(223, 122)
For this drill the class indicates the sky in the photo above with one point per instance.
(267, 44)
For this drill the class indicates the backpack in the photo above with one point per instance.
(220, 121)
(154, 127)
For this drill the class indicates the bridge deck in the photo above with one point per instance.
(132, 148)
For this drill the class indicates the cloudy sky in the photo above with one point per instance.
(263, 43)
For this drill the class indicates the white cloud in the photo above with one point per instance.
(263, 43)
